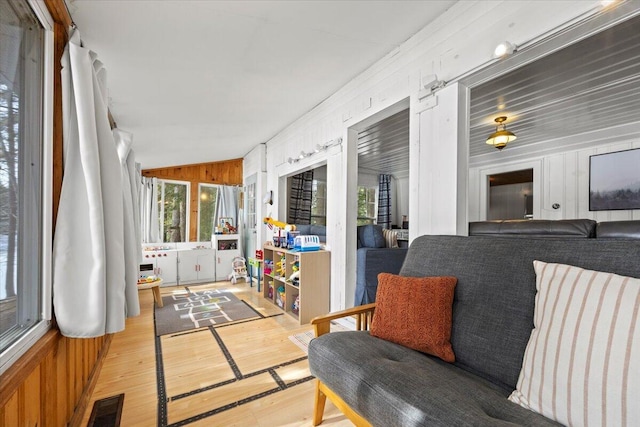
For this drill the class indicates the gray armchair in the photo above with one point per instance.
(374, 257)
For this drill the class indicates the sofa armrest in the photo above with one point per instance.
(369, 263)
(362, 313)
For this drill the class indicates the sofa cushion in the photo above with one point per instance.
(370, 236)
(567, 228)
(494, 297)
(415, 312)
(318, 230)
(618, 230)
(396, 386)
(303, 229)
(580, 365)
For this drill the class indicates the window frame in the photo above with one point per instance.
(187, 208)
(369, 220)
(314, 190)
(200, 185)
(32, 335)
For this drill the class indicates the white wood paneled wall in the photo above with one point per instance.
(563, 180)
(458, 42)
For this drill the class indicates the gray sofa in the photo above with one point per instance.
(373, 258)
(313, 230)
(376, 382)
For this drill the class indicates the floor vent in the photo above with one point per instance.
(107, 412)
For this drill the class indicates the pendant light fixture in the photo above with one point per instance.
(501, 137)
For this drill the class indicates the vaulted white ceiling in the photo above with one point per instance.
(201, 81)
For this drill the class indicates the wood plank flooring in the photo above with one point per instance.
(245, 374)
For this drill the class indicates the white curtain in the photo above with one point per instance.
(148, 196)
(227, 205)
(88, 252)
(132, 248)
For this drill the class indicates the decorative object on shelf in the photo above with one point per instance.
(281, 297)
(225, 226)
(268, 267)
(306, 243)
(295, 307)
(271, 223)
(405, 222)
(501, 137)
(614, 180)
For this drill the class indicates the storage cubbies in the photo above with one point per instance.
(313, 285)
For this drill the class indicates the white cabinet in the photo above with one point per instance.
(196, 265)
(227, 247)
(161, 263)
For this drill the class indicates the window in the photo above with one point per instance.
(173, 210)
(207, 203)
(319, 202)
(366, 205)
(25, 177)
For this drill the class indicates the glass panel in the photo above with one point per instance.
(21, 78)
(173, 209)
(206, 211)
(252, 221)
(319, 202)
(366, 205)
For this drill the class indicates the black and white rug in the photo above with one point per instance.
(187, 310)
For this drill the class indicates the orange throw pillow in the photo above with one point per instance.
(415, 312)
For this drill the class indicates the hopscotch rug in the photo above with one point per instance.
(187, 310)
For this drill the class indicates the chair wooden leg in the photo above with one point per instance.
(318, 406)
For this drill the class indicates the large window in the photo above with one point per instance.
(25, 202)
(173, 210)
(319, 202)
(366, 205)
(207, 204)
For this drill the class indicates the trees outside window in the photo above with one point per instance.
(366, 205)
(319, 202)
(173, 210)
(207, 204)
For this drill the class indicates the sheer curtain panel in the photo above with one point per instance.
(149, 217)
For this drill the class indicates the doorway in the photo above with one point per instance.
(511, 195)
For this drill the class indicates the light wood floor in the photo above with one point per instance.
(200, 385)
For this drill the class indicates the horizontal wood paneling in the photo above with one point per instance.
(228, 172)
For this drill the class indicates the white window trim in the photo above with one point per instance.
(29, 338)
(200, 185)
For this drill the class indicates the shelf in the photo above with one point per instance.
(313, 281)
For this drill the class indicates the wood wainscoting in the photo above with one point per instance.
(51, 383)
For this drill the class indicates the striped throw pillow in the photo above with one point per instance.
(390, 238)
(582, 362)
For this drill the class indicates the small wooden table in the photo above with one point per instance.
(155, 288)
